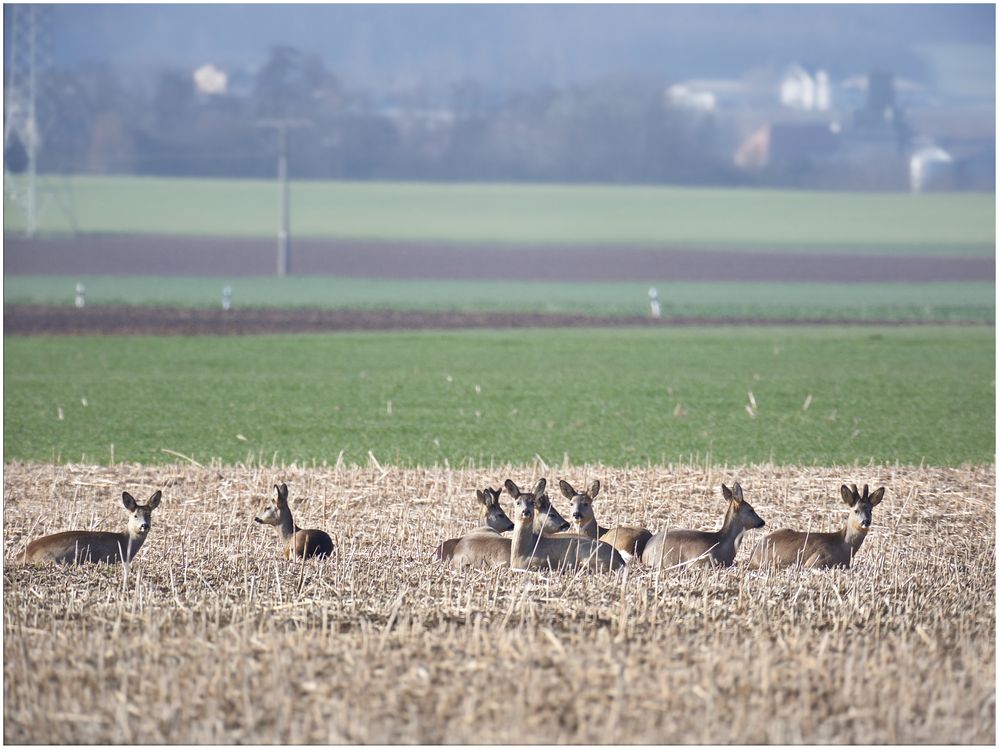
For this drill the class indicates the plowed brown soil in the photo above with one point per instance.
(25, 319)
(218, 256)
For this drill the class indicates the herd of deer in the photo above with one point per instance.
(538, 538)
(539, 541)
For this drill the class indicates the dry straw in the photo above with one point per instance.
(211, 637)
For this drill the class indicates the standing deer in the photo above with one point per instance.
(480, 547)
(77, 547)
(629, 541)
(784, 548)
(706, 547)
(531, 550)
(299, 543)
(490, 514)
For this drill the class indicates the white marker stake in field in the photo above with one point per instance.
(654, 302)
(80, 293)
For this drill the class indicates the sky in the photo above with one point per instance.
(525, 46)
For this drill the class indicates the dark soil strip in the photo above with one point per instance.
(121, 320)
(229, 257)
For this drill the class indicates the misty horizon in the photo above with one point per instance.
(528, 46)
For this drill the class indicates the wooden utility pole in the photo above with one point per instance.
(284, 210)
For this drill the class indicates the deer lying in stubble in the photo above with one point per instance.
(297, 542)
(785, 547)
(480, 548)
(629, 541)
(491, 517)
(78, 547)
(531, 550)
(706, 547)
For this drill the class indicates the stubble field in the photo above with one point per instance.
(211, 637)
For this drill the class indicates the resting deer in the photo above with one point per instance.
(629, 541)
(834, 549)
(531, 550)
(480, 548)
(300, 543)
(491, 516)
(706, 547)
(77, 547)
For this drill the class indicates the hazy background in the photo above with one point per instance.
(833, 96)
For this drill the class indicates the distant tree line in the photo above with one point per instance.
(95, 119)
(614, 130)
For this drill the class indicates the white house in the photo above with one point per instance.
(930, 167)
(799, 89)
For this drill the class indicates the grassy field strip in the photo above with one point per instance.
(212, 638)
(625, 397)
(972, 301)
(959, 224)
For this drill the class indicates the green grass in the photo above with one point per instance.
(959, 224)
(621, 397)
(967, 301)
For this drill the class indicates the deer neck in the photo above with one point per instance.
(288, 527)
(590, 528)
(853, 537)
(130, 543)
(522, 543)
(732, 531)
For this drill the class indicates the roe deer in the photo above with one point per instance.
(490, 514)
(629, 541)
(711, 548)
(490, 549)
(531, 550)
(835, 549)
(77, 547)
(300, 543)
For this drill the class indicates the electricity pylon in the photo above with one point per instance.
(20, 106)
(28, 48)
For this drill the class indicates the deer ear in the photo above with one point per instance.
(539, 488)
(481, 498)
(567, 491)
(594, 490)
(726, 493)
(129, 501)
(877, 496)
(154, 501)
(737, 491)
(511, 488)
(847, 495)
